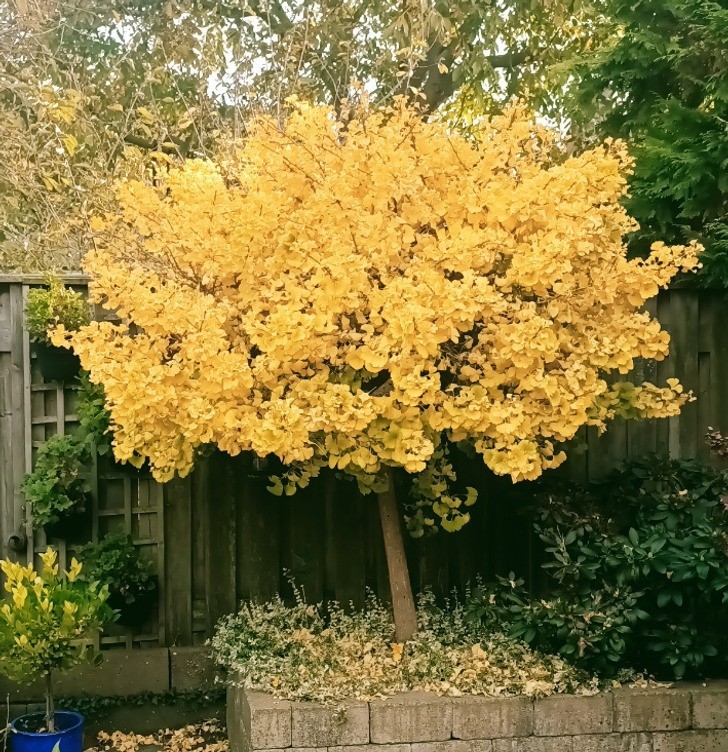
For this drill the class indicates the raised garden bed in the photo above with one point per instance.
(686, 718)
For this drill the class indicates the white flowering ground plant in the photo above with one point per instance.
(46, 622)
(308, 652)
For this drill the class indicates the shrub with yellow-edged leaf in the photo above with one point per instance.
(47, 619)
(359, 295)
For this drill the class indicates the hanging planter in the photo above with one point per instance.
(69, 527)
(58, 489)
(115, 562)
(133, 615)
(56, 363)
(46, 308)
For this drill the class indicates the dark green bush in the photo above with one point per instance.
(639, 570)
(115, 561)
(59, 484)
(93, 417)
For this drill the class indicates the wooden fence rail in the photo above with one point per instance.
(218, 537)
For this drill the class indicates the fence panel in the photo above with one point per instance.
(218, 537)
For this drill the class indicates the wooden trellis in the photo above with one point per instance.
(123, 500)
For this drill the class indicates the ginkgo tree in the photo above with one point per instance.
(359, 296)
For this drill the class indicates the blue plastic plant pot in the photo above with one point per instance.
(68, 736)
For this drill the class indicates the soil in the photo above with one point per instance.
(36, 724)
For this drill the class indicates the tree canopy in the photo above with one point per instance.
(356, 295)
(663, 86)
(92, 91)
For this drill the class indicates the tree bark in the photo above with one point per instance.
(403, 602)
(50, 704)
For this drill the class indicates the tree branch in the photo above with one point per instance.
(276, 15)
(434, 75)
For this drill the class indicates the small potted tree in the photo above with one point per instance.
(58, 488)
(46, 308)
(46, 623)
(114, 561)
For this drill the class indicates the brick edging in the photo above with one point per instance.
(680, 718)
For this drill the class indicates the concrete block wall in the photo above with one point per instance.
(683, 718)
(122, 673)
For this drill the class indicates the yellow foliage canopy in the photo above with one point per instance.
(348, 295)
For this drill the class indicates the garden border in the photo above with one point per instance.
(678, 718)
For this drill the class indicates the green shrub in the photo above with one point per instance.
(302, 652)
(53, 305)
(46, 622)
(59, 484)
(93, 417)
(640, 569)
(114, 561)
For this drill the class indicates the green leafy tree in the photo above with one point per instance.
(46, 622)
(662, 84)
(94, 91)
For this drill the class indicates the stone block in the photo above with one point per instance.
(613, 743)
(266, 720)
(19, 694)
(491, 717)
(470, 745)
(370, 748)
(256, 720)
(122, 672)
(192, 668)
(651, 710)
(710, 706)
(691, 741)
(566, 715)
(234, 719)
(321, 726)
(410, 717)
(535, 744)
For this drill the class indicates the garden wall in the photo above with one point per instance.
(683, 719)
(218, 537)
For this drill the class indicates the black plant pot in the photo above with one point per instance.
(56, 363)
(134, 615)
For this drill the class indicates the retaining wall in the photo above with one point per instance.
(684, 718)
(122, 673)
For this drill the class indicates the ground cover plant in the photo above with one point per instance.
(308, 652)
(638, 568)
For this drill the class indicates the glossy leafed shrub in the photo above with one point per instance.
(639, 571)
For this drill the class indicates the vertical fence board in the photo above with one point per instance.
(222, 538)
(259, 540)
(345, 541)
(306, 512)
(178, 561)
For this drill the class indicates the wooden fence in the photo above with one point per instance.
(218, 537)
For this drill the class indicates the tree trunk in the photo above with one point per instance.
(403, 602)
(50, 704)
